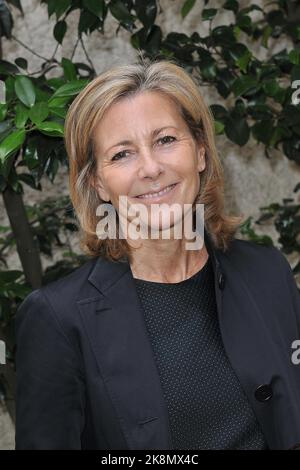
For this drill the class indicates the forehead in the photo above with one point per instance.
(138, 113)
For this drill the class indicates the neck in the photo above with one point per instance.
(166, 260)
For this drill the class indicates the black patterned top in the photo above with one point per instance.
(207, 406)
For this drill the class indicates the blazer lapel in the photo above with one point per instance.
(244, 338)
(115, 325)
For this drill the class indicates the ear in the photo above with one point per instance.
(201, 157)
(97, 183)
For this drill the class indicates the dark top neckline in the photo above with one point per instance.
(194, 276)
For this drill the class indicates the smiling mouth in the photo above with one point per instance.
(158, 194)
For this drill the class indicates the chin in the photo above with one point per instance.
(165, 223)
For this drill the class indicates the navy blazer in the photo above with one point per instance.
(85, 369)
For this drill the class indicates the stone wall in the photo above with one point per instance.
(252, 180)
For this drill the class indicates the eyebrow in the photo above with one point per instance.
(154, 133)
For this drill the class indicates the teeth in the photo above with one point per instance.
(157, 194)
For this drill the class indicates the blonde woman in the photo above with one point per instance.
(151, 345)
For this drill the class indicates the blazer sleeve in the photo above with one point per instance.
(50, 391)
(293, 291)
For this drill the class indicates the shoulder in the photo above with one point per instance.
(249, 248)
(74, 282)
(246, 254)
(256, 264)
(263, 268)
(57, 299)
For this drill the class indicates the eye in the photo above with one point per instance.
(166, 139)
(119, 155)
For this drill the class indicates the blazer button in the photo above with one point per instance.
(263, 393)
(221, 280)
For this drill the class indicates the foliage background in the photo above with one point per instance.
(245, 61)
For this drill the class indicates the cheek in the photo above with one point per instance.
(188, 172)
(187, 169)
(185, 159)
(117, 182)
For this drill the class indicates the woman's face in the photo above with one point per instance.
(143, 145)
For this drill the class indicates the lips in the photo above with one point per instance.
(154, 194)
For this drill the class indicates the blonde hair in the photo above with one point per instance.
(85, 113)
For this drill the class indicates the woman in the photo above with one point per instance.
(152, 344)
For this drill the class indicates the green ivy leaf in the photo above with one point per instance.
(290, 115)
(60, 112)
(149, 40)
(208, 13)
(3, 111)
(219, 112)
(69, 69)
(7, 22)
(10, 89)
(244, 23)
(95, 6)
(295, 75)
(59, 31)
(237, 32)
(240, 54)
(243, 61)
(223, 36)
(266, 34)
(271, 87)
(41, 95)
(52, 167)
(58, 7)
(187, 6)
(51, 128)
(232, 5)
(5, 129)
(146, 11)
(20, 291)
(21, 62)
(207, 64)
(277, 134)
(21, 115)
(9, 276)
(120, 11)
(30, 154)
(39, 112)
(25, 90)
(224, 80)
(294, 56)
(29, 180)
(291, 148)
(58, 102)
(219, 127)
(6, 68)
(251, 8)
(56, 82)
(69, 89)
(88, 22)
(262, 131)
(260, 112)
(243, 84)
(237, 130)
(11, 143)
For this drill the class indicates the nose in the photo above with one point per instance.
(149, 166)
